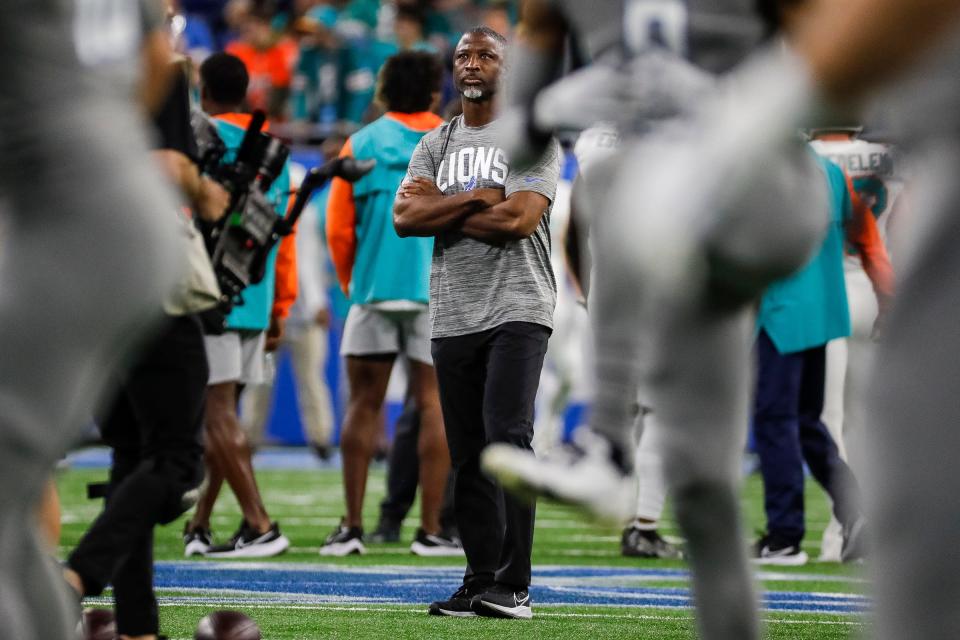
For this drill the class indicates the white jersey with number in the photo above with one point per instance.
(873, 169)
(712, 34)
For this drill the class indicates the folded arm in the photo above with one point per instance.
(514, 218)
(421, 209)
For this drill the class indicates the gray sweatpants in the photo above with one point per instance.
(690, 356)
(913, 476)
(86, 242)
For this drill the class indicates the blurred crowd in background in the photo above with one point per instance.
(313, 63)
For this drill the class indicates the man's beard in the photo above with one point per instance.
(472, 93)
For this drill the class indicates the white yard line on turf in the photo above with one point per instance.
(538, 614)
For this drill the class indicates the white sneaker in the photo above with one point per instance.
(196, 541)
(582, 474)
(770, 551)
(344, 541)
(249, 543)
(428, 545)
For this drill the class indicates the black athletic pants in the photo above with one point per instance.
(488, 384)
(403, 474)
(155, 429)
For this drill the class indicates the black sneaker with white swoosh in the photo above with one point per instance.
(247, 542)
(459, 605)
(770, 550)
(503, 601)
(435, 546)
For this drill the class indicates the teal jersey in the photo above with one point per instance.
(254, 313)
(809, 308)
(387, 267)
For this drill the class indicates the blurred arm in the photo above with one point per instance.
(854, 45)
(863, 233)
(341, 226)
(515, 218)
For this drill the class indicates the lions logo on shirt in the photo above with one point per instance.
(470, 167)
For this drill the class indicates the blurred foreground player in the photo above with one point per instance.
(693, 255)
(85, 225)
(913, 477)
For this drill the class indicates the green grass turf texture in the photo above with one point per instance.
(308, 504)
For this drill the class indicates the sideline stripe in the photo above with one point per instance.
(175, 602)
(278, 583)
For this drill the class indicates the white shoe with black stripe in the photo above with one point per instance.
(501, 601)
(247, 542)
(581, 473)
(428, 545)
(344, 541)
(771, 551)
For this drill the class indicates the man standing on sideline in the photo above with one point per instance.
(492, 296)
(386, 278)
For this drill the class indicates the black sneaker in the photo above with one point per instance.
(646, 543)
(343, 541)
(854, 542)
(386, 531)
(458, 605)
(247, 542)
(322, 451)
(428, 545)
(770, 550)
(196, 540)
(502, 601)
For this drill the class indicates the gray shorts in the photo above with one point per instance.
(369, 331)
(235, 356)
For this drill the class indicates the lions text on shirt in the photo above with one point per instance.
(474, 285)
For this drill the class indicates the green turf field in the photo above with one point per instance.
(308, 504)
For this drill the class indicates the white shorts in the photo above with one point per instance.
(369, 331)
(235, 356)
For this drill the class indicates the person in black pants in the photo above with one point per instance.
(155, 423)
(155, 430)
(492, 296)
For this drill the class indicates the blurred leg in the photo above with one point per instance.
(256, 401)
(913, 480)
(228, 446)
(308, 350)
(403, 466)
(55, 365)
(431, 446)
(776, 428)
(652, 493)
(368, 377)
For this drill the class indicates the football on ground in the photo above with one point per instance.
(99, 624)
(227, 625)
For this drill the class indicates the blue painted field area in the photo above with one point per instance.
(276, 583)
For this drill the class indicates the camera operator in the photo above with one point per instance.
(236, 356)
(154, 424)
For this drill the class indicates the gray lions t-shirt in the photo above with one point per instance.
(475, 286)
